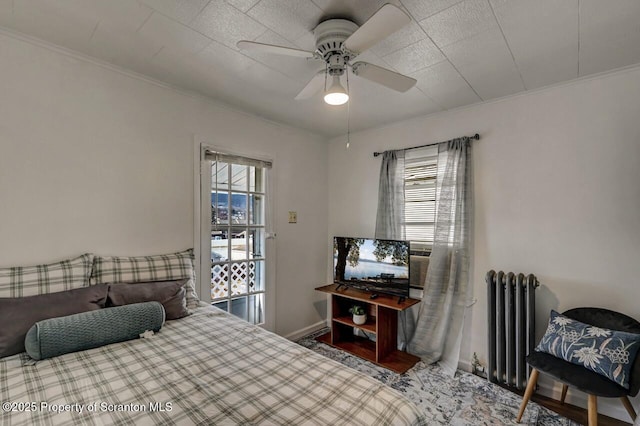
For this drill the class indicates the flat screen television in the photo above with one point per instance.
(378, 266)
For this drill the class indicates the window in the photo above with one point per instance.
(420, 173)
(238, 235)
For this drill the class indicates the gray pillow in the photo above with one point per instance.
(171, 294)
(88, 330)
(18, 314)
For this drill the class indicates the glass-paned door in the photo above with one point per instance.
(238, 276)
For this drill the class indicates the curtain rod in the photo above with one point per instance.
(476, 137)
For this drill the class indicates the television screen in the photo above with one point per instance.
(371, 264)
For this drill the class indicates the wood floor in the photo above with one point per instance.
(577, 414)
(574, 413)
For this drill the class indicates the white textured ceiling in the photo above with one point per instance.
(460, 51)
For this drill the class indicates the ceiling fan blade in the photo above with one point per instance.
(272, 48)
(386, 21)
(388, 78)
(313, 86)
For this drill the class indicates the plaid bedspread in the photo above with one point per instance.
(210, 369)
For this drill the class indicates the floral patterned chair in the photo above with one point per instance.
(581, 378)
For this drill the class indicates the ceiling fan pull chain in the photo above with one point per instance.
(346, 70)
(326, 71)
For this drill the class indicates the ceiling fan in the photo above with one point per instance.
(338, 42)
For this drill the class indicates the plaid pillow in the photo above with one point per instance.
(162, 267)
(65, 275)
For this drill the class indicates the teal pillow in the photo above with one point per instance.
(610, 353)
(57, 336)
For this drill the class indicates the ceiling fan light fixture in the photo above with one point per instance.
(336, 95)
(337, 43)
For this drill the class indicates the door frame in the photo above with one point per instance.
(202, 221)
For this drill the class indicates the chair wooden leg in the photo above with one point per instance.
(564, 393)
(629, 407)
(531, 386)
(593, 410)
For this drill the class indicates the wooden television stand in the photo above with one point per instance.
(382, 320)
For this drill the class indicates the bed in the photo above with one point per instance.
(207, 368)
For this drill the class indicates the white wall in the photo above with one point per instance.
(557, 194)
(96, 160)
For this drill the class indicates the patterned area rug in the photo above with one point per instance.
(465, 399)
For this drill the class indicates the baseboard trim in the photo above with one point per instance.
(464, 366)
(307, 330)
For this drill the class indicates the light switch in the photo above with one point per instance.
(293, 217)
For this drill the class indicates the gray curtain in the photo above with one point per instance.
(438, 330)
(391, 197)
(390, 217)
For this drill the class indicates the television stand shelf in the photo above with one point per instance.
(382, 321)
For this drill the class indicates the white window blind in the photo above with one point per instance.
(420, 174)
(236, 159)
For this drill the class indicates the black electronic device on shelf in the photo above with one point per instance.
(375, 265)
